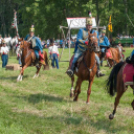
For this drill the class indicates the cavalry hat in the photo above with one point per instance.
(104, 31)
(32, 29)
(89, 19)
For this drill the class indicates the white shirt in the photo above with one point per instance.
(53, 49)
(4, 50)
(1, 40)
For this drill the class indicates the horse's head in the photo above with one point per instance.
(24, 44)
(93, 42)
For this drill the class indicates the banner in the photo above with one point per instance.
(79, 22)
(110, 25)
(14, 23)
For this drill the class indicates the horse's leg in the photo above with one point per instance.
(72, 89)
(77, 89)
(21, 73)
(89, 90)
(117, 99)
(37, 72)
(120, 90)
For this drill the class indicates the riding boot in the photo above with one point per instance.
(99, 74)
(70, 72)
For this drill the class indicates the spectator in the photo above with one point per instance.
(54, 53)
(18, 53)
(4, 54)
(0, 39)
(48, 43)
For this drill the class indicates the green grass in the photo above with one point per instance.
(43, 106)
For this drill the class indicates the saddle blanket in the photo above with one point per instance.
(109, 54)
(128, 74)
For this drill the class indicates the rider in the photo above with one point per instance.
(103, 43)
(82, 40)
(36, 45)
(120, 47)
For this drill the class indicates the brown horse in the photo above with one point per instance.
(87, 68)
(116, 84)
(116, 58)
(28, 58)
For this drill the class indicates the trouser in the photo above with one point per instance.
(55, 60)
(20, 60)
(97, 59)
(4, 60)
(77, 54)
(103, 51)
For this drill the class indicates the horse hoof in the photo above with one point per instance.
(87, 103)
(111, 116)
(75, 100)
(71, 95)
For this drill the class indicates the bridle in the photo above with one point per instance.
(91, 43)
(24, 46)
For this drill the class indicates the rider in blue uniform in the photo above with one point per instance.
(82, 39)
(36, 44)
(103, 43)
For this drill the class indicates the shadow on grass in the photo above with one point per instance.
(13, 78)
(36, 98)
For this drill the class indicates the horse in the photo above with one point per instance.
(113, 56)
(87, 68)
(28, 58)
(117, 84)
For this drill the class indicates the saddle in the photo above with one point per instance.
(39, 60)
(77, 64)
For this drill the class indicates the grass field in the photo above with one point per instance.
(43, 106)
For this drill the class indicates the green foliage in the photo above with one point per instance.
(47, 15)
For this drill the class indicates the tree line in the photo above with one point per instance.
(47, 15)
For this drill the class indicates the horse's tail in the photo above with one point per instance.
(112, 80)
(46, 67)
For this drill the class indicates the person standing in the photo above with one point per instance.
(4, 54)
(48, 43)
(1, 39)
(54, 54)
(18, 53)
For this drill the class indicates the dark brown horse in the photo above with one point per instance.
(87, 68)
(28, 58)
(116, 84)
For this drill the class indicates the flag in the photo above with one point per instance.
(110, 25)
(14, 23)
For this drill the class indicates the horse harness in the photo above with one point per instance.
(90, 49)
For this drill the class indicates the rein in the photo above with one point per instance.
(90, 49)
(89, 69)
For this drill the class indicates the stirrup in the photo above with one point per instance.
(70, 73)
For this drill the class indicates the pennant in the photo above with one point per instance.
(110, 25)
